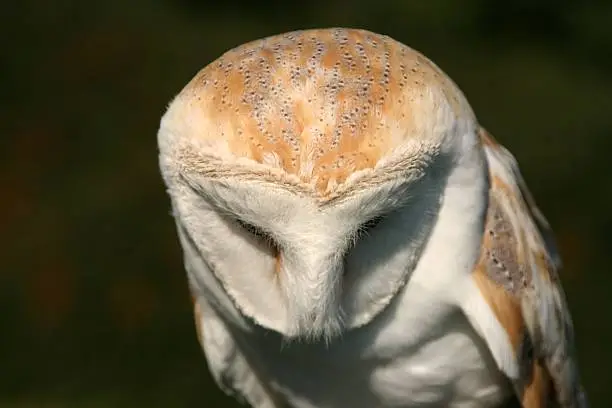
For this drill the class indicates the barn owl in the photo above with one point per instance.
(354, 238)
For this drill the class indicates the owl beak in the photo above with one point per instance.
(313, 289)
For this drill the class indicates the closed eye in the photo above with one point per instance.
(253, 230)
(257, 233)
(369, 225)
(364, 229)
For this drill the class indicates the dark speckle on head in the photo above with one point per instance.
(320, 104)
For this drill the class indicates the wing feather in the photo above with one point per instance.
(517, 276)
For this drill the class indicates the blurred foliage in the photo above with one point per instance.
(95, 310)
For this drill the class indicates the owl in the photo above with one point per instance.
(353, 237)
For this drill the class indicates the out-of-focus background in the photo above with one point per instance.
(94, 304)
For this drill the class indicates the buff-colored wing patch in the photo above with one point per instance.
(517, 276)
(197, 316)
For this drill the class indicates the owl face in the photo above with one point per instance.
(306, 172)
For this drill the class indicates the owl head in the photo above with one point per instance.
(308, 171)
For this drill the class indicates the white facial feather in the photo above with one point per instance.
(308, 159)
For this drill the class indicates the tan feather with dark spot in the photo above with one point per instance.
(517, 275)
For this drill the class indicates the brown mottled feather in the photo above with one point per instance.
(197, 315)
(517, 275)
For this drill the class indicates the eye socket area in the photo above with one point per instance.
(369, 225)
(258, 233)
(263, 236)
(363, 230)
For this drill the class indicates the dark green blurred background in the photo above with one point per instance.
(95, 308)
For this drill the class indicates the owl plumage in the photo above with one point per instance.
(354, 238)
